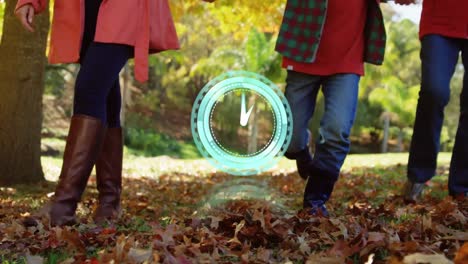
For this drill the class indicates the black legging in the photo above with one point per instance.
(97, 88)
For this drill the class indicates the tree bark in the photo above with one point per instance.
(125, 93)
(401, 135)
(253, 127)
(386, 133)
(22, 84)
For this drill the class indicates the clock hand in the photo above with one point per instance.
(245, 115)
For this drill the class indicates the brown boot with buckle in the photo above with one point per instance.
(109, 176)
(81, 151)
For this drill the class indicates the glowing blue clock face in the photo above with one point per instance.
(242, 123)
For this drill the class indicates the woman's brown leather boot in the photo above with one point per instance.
(109, 176)
(81, 151)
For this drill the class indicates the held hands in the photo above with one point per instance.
(405, 2)
(26, 15)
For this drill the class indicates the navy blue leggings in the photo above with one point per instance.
(97, 89)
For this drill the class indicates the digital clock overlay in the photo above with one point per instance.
(241, 123)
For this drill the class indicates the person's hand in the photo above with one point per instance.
(405, 2)
(26, 15)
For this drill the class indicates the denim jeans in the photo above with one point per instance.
(332, 145)
(439, 56)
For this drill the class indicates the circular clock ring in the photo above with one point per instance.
(216, 102)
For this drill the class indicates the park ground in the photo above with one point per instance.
(183, 211)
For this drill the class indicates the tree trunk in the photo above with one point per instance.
(22, 84)
(125, 93)
(401, 135)
(386, 132)
(253, 127)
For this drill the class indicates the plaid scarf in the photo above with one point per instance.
(302, 28)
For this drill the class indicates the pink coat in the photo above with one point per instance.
(146, 25)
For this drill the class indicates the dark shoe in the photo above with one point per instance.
(412, 191)
(303, 161)
(318, 190)
(109, 176)
(83, 145)
(318, 208)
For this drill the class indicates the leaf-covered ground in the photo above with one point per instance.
(178, 211)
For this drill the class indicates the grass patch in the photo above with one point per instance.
(56, 256)
(7, 261)
(386, 160)
(142, 145)
(150, 144)
(137, 143)
(138, 225)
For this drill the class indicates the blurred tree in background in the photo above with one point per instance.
(396, 91)
(215, 38)
(22, 76)
(2, 11)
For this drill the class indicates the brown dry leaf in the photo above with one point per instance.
(183, 260)
(343, 249)
(156, 257)
(370, 259)
(304, 247)
(459, 216)
(245, 257)
(394, 260)
(214, 222)
(268, 218)
(72, 237)
(264, 255)
(458, 235)
(409, 246)
(343, 230)
(427, 222)
(167, 234)
(169, 258)
(120, 252)
(371, 248)
(72, 261)
(393, 237)
(325, 259)
(451, 233)
(239, 226)
(195, 250)
(258, 216)
(179, 250)
(215, 254)
(418, 258)
(139, 255)
(34, 259)
(376, 237)
(462, 255)
(280, 228)
(16, 229)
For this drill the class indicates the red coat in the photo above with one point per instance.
(445, 17)
(144, 24)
